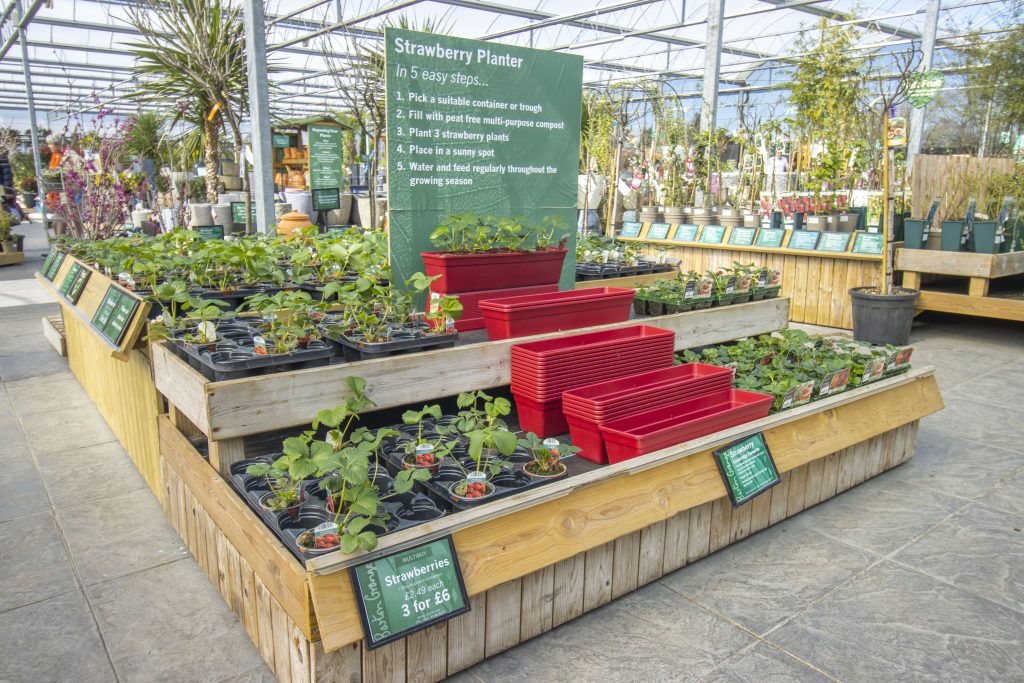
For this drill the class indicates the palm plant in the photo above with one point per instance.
(192, 53)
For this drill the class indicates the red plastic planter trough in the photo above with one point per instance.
(542, 370)
(467, 272)
(653, 430)
(521, 316)
(472, 317)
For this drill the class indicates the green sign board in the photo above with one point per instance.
(340, 229)
(213, 232)
(472, 126)
(69, 279)
(770, 237)
(685, 233)
(867, 243)
(50, 271)
(803, 240)
(45, 268)
(114, 314)
(78, 286)
(327, 199)
(712, 234)
(238, 212)
(631, 229)
(747, 468)
(325, 159)
(742, 237)
(408, 591)
(658, 231)
(924, 87)
(837, 242)
(280, 141)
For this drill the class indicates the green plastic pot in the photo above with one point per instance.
(983, 238)
(952, 233)
(913, 233)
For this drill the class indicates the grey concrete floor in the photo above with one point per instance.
(915, 575)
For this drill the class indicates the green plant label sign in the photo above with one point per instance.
(280, 141)
(742, 237)
(658, 231)
(69, 279)
(685, 233)
(325, 160)
(803, 240)
(340, 229)
(408, 591)
(214, 232)
(925, 86)
(867, 243)
(45, 268)
(114, 314)
(238, 212)
(770, 237)
(631, 229)
(78, 286)
(480, 127)
(873, 370)
(747, 468)
(327, 199)
(712, 234)
(837, 242)
(51, 271)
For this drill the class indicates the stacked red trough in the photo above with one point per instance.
(521, 316)
(543, 370)
(588, 408)
(472, 317)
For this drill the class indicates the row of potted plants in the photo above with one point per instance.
(341, 485)
(795, 367)
(599, 257)
(739, 284)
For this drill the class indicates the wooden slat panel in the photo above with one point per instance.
(626, 564)
(677, 530)
(568, 589)
(265, 626)
(962, 304)
(504, 613)
(281, 635)
(840, 300)
(698, 537)
(466, 644)
(797, 486)
(340, 666)
(812, 489)
(721, 524)
(298, 649)
(386, 664)
(780, 499)
(830, 474)
(739, 526)
(597, 581)
(426, 655)
(537, 602)
(760, 512)
(652, 553)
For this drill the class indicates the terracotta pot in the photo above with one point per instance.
(291, 222)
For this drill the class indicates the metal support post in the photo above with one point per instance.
(931, 24)
(259, 115)
(712, 65)
(27, 70)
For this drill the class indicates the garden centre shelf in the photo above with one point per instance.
(816, 281)
(984, 272)
(566, 548)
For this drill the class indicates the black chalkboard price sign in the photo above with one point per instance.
(409, 591)
(211, 232)
(326, 200)
(114, 314)
(747, 468)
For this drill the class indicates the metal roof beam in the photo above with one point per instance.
(844, 16)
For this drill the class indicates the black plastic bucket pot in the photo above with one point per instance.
(883, 318)
(913, 233)
(983, 237)
(952, 235)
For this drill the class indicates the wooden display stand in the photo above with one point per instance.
(564, 549)
(816, 281)
(11, 258)
(979, 269)
(117, 377)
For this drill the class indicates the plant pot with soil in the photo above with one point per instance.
(883, 318)
(546, 456)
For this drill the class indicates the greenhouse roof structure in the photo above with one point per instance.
(77, 54)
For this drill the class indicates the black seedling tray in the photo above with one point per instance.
(404, 510)
(233, 358)
(354, 350)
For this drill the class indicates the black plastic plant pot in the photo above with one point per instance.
(639, 306)
(677, 307)
(409, 463)
(235, 357)
(357, 350)
(655, 307)
(721, 300)
(883, 318)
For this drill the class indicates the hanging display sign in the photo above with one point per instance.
(712, 234)
(837, 242)
(52, 264)
(868, 243)
(280, 141)
(747, 468)
(114, 314)
(685, 233)
(897, 132)
(325, 157)
(238, 212)
(924, 87)
(658, 231)
(409, 591)
(742, 237)
(481, 127)
(213, 232)
(631, 229)
(69, 279)
(78, 286)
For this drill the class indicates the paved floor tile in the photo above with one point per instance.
(66, 429)
(76, 476)
(1008, 495)
(986, 424)
(33, 562)
(879, 516)
(156, 629)
(59, 392)
(652, 634)
(991, 388)
(761, 581)
(895, 624)
(21, 490)
(979, 549)
(39, 363)
(26, 343)
(119, 534)
(260, 674)
(54, 641)
(763, 663)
